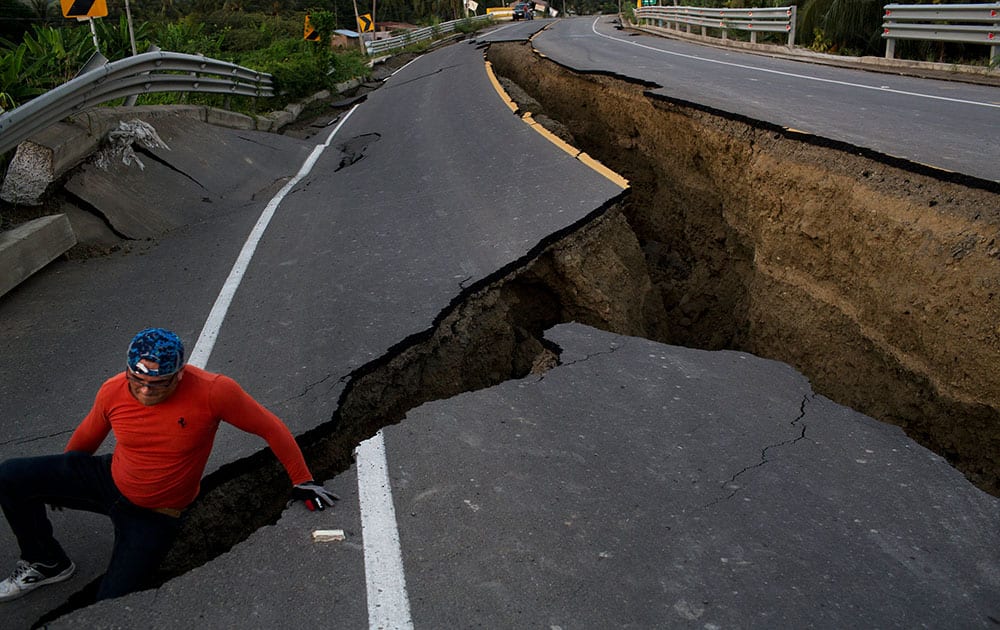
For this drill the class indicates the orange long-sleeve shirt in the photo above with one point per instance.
(162, 449)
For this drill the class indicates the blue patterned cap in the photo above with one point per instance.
(159, 346)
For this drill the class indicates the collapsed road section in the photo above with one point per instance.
(878, 279)
(874, 279)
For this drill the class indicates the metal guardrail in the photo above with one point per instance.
(414, 36)
(141, 74)
(964, 23)
(754, 20)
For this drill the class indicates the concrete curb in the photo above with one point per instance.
(29, 247)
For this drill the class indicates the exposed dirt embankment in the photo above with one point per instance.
(878, 280)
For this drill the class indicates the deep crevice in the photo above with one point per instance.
(506, 312)
(866, 272)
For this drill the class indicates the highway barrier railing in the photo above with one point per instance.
(755, 20)
(963, 23)
(158, 71)
(501, 14)
(411, 37)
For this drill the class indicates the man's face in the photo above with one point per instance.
(150, 390)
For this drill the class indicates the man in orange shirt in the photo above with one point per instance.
(164, 416)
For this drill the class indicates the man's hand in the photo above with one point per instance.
(313, 495)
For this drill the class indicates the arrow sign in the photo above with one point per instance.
(365, 24)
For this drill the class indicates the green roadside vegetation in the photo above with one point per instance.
(39, 49)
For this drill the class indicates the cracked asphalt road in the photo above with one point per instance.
(585, 497)
(581, 499)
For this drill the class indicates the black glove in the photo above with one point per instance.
(313, 495)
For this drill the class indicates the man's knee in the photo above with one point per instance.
(18, 472)
(11, 472)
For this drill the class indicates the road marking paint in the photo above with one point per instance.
(580, 156)
(570, 150)
(388, 603)
(603, 170)
(403, 66)
(388, 606)
(879, 88)
(210, 331)
(496, 86)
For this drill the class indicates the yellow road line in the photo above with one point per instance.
(615, 178)
(599, 168)
(551, 137)
(496, 86)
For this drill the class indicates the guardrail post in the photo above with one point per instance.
(994, 50)
(890, 42)
(890, 49)
(792, 17)
(95, 61)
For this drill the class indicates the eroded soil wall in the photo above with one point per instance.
(876, 279)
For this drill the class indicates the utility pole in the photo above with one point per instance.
(131, 32)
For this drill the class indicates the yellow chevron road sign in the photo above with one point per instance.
(84, 8)
(309, 33)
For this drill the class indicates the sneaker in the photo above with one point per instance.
(27, 577)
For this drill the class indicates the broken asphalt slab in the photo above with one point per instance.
(645, 485)
(204, 170)
(636, 484)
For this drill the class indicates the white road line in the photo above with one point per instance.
(879, 88)
(385, 582)
(388, 603)
(210, 331)
(403, 66)
(388, 606)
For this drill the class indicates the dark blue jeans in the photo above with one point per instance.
(83, 482)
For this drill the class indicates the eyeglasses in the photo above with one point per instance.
(152, 385)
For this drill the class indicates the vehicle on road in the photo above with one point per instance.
(524, 11)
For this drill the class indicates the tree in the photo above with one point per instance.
(847, 26)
